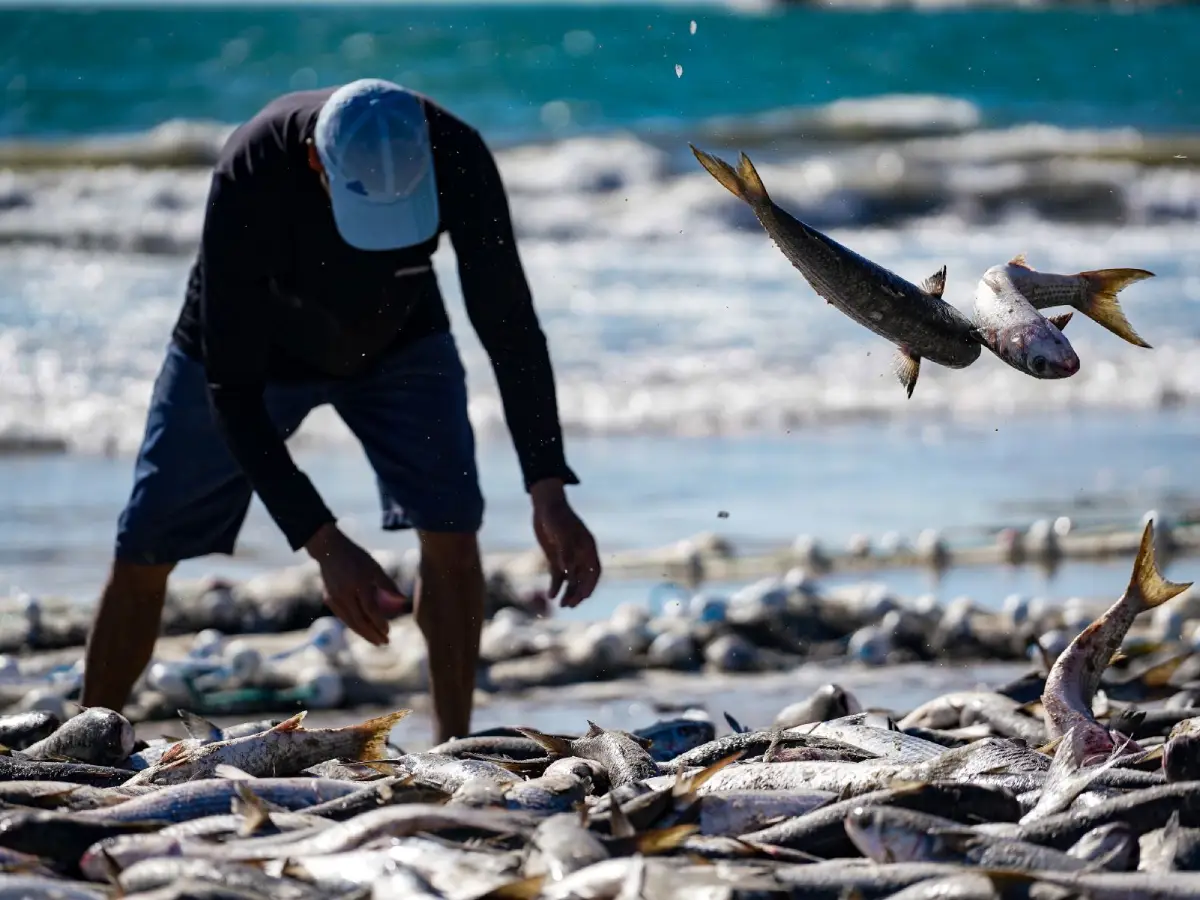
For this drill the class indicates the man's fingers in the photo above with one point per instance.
(349, 612)
(585, 575)
(368, 605)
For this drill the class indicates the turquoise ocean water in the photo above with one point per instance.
(696, 371)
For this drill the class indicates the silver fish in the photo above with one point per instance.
(156, 873)
(451, 869)
(623, 756)
(391, 821)
(830, 701)
(19, 730)
(448, 773)
(1093, 293)
(900, 835)
(98, 736)
(1017, 333)
(916, 319)
(1075, 675)
(211, 796)
(286, 749)
(893, 746)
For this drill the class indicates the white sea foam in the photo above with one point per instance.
(667, 308)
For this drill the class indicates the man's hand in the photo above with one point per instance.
(569, 547)
(356, 587)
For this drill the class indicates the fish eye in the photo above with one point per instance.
(1039, 364)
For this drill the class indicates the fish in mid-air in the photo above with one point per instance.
(915, 318)
(1093, 293)
(1017, 333)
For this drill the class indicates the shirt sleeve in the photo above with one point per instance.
(499, 303)
(234, 252)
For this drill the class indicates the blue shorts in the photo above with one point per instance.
(409, 412)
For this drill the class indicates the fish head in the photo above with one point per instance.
(881, 840)
(1039, 349)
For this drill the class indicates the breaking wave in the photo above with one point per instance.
(668, 310)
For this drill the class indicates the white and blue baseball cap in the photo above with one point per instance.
(373, 141)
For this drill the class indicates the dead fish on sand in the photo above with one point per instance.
(1075, 676)
(914, 318)
(285, 749)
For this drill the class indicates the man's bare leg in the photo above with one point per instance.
(449, 612)
(124, 631)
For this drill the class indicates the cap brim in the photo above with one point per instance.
(367, 225)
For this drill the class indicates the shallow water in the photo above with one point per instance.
(696, 372)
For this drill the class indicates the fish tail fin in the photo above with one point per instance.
(1146, 581)
(376, 732)
(550, 742)
(522, 889)
(1101, 305)
(662, 840)
(742, 182)
(751, 181)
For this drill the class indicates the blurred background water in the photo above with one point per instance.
(697, 372)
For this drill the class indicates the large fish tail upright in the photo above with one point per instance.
(743, 183)
(374, 734)
(1146, 583)
(1101, 305)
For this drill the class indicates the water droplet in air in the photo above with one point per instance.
(692, 27)
(678, 70)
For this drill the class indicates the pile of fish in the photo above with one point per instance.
(286, 600)
(1048, 787)
(773, 625)
(1006, 318)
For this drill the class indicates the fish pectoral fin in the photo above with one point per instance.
(737, 726)
(935, 284)
(688, 786)
(252, 810)
(549, 742)
(1060, 321)
(1019, 260)
(907, 368)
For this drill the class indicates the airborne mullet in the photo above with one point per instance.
(916, 319)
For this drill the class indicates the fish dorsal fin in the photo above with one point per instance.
(936, 283)
(594, 730)
(1060, 321)
(619, 823)
(198, 726)
(550, 743)
(1019, 260)
(173, 753)
(292, 724)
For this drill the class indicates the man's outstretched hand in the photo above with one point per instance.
(569, 547)
(357, 589)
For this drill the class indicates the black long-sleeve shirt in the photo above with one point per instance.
(276, 295)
